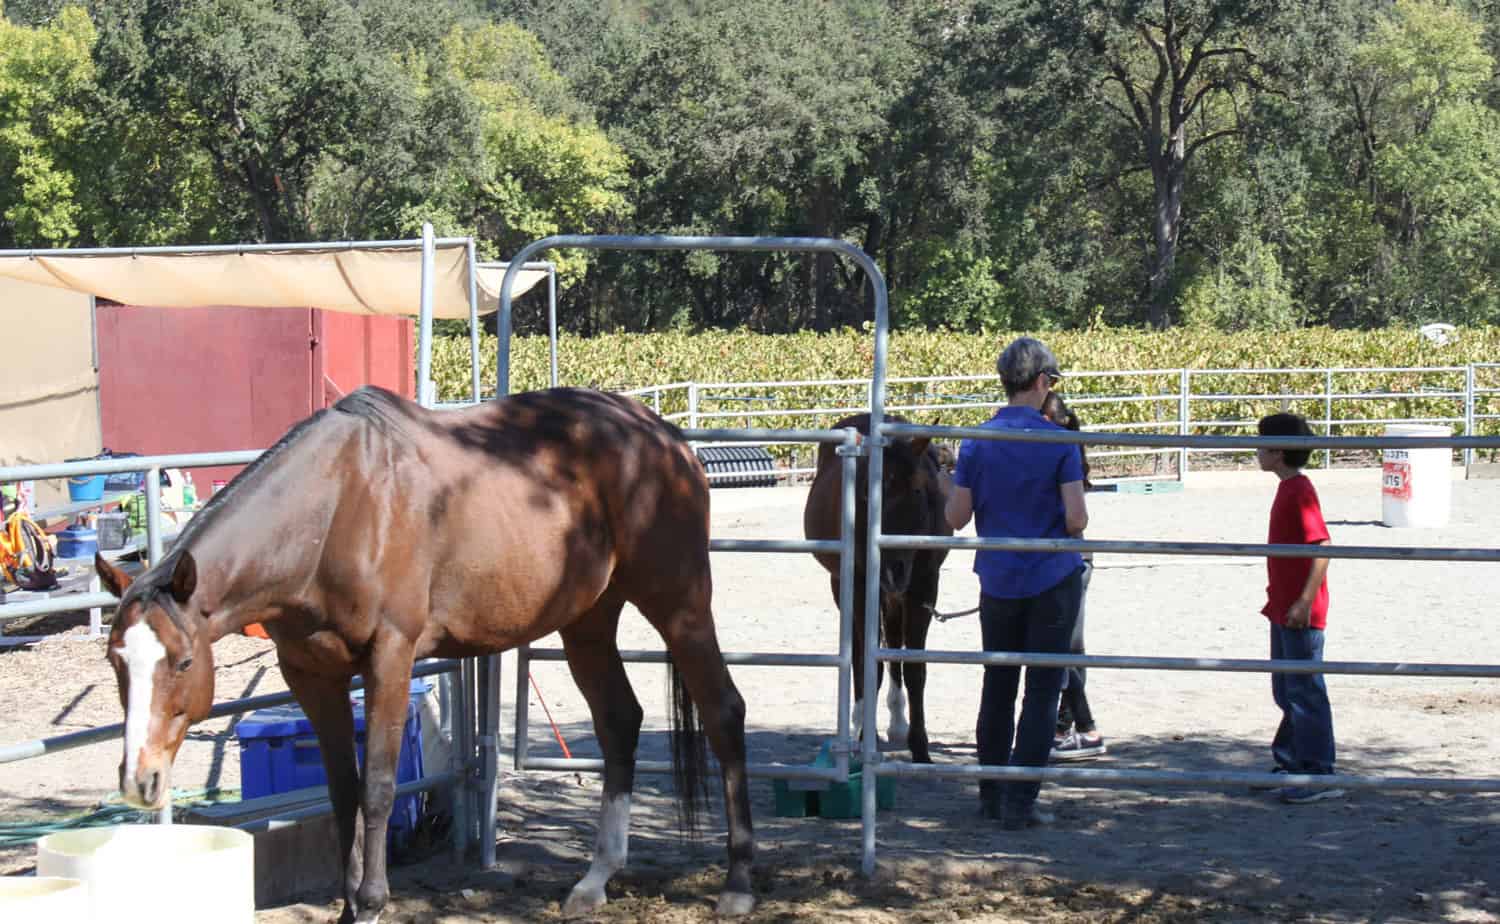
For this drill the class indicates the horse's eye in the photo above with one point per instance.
(184, 664)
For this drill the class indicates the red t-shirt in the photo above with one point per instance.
(1296, 519)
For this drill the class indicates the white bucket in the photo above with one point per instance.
(49, 899)
(166, 874)
(1416, 485)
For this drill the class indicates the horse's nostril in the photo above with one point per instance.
(153, 786)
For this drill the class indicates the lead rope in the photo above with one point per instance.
(566, 753)
(944, 617)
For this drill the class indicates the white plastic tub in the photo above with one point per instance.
(165, 874)
(1416, 485)
(48, 899)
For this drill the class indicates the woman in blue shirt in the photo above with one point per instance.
(1028, 600)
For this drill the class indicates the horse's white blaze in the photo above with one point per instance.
(142, 651)
(895, 701)
(611, 847)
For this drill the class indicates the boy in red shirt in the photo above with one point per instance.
(1297, 607)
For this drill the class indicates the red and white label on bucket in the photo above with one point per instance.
(1395, 480)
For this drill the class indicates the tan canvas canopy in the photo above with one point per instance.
(365, 281)
(49, 386)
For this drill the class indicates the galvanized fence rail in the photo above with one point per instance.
(456, 777)
(850, 448)
(1101, 777)
(1187, 402)
(477, 695)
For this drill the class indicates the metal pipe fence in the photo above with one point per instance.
(1191, 406)
(455, 777)
(1152, 777)
(1172, 407)
(152, 466)
(849, 451)
(1185, 402)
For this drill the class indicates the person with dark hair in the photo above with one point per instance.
(1077, 736)
(1028, 600)
(1297, 607)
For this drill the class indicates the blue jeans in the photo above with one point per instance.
(1074, 709)
(1043, 623)
(1304, 740)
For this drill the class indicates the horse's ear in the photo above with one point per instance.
(920, 444)
(184, 578)
(115, 580)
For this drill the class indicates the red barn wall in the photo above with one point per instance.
(175, 380)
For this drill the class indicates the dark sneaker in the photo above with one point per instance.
(1301, 795)
(1032, 816)
(1266, 787)
(1079, 746)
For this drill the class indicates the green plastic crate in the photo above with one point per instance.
(802, 799)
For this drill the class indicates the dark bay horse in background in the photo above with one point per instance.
(912, 502)
(376, 533)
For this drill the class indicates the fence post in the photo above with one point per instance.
(153, 556)
(1328, 414)
(1468, 414)
(96, 615)
(692, 405)
(1184, 385)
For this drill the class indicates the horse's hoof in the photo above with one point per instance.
(735, 904)
(583, 901)
(367, 917)
(896, 737)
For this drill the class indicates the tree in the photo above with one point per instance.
(274, 93)
(45, 73)
(1430, 159)
(763, 118)
(543, 168)
(1179, 75)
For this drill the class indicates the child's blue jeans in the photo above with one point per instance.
(1304, 740)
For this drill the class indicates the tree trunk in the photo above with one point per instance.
(826, 305)
(1166, 226)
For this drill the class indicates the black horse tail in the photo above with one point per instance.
(689, 755)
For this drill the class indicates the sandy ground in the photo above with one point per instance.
(1116, 854)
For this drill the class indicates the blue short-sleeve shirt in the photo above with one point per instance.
(1016, 490)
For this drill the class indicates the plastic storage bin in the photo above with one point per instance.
(85, 487)
(279, 753)
(77, 542)
(114, 530)
(804, 798)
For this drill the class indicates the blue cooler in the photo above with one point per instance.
(279, 753)
(77, 542)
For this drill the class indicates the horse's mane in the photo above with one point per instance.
(377, 406)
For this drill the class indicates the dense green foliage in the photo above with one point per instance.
(1046, 164)
(628, 361)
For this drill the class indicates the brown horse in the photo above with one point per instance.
(912, 502)
(376, 533)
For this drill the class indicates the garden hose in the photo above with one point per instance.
(26, 553)
(21, 833)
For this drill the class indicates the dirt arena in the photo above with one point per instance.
(1115, 855)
